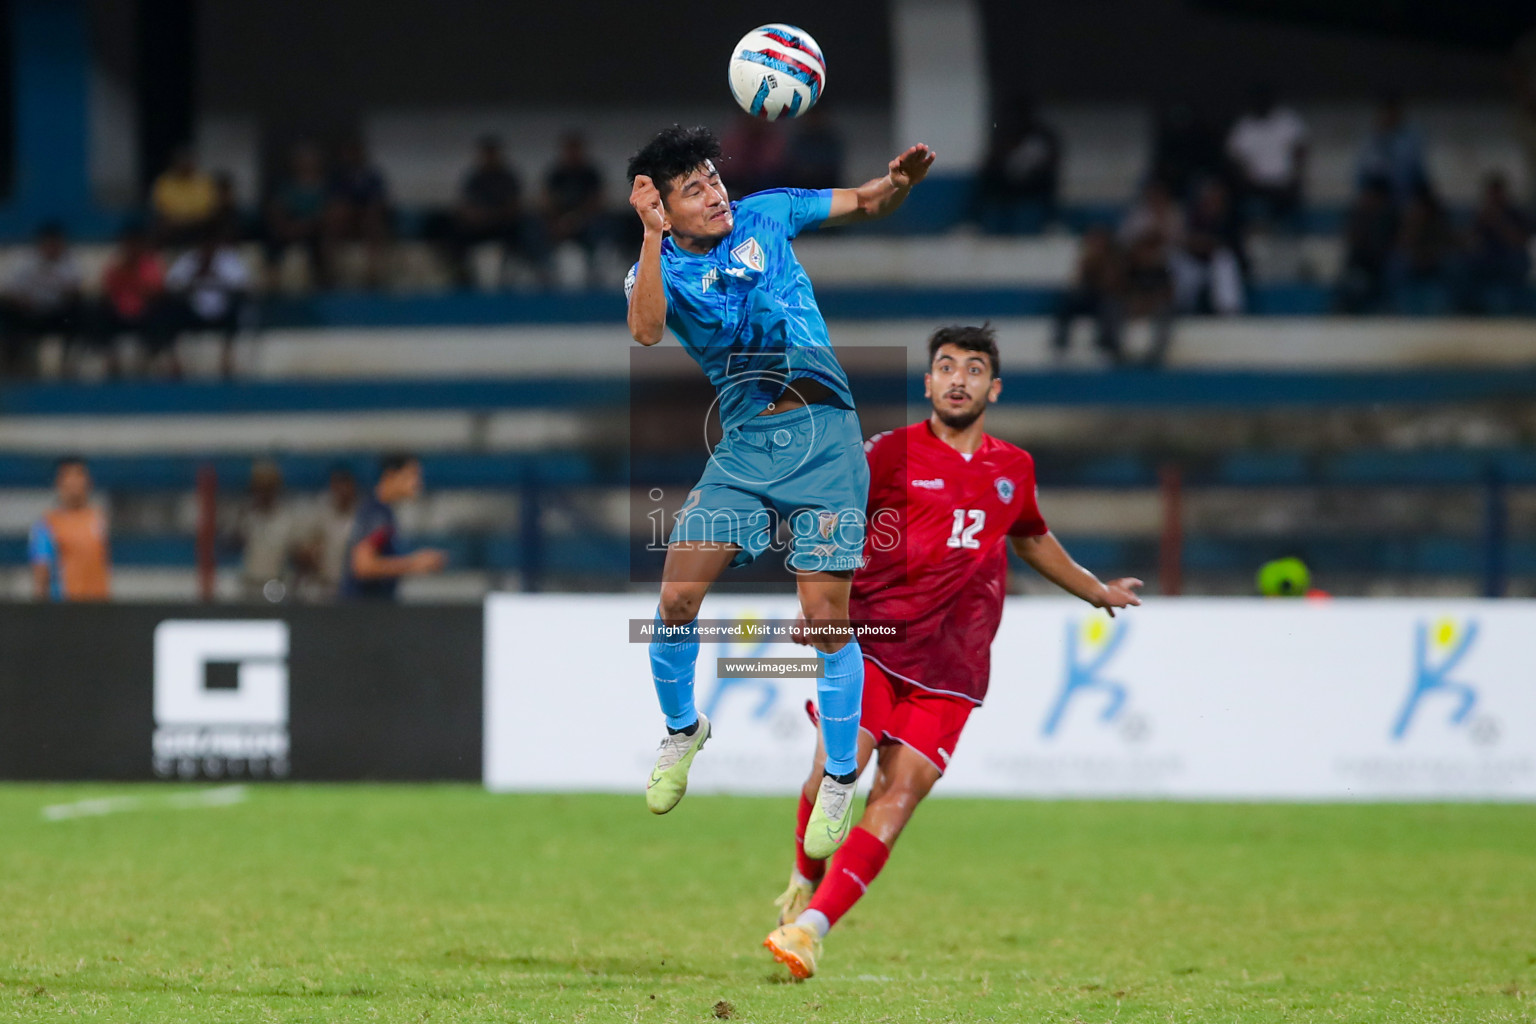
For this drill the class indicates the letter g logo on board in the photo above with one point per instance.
(185, 649)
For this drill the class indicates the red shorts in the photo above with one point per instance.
(897, 712)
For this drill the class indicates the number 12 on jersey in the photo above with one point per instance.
(964, 533)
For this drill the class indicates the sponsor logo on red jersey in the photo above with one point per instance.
(936, 484)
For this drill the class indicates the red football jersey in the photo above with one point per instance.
(934, 554)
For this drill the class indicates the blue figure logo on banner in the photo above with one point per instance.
(1091, 643)
(1438, 651)
(768, 689)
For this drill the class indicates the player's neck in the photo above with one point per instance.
(965, 440)
(697, 246)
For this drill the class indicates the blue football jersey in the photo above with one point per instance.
(745, 310)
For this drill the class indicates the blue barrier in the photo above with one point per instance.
(606, 306)
(1128, 387)
(606, 555)
(510, 471)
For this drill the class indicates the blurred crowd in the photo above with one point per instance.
(1183, 244)
(338, 545)
(197, 256)
(186, 263)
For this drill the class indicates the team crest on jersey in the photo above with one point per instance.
(1005, 489)
(711, 277)
(750, 254)
(828, 524)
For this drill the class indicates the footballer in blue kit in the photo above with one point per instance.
(724, 278)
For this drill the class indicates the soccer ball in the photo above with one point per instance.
(777, 71)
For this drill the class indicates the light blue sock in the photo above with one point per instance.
(673, 654)
(839, 695)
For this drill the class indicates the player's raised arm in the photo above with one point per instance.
(647, 295)
(1047, 557)
(883, 195)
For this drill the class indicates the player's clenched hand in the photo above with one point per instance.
(646, 200)
(1119, 593)
(912, 166)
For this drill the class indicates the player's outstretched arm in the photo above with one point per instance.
(647, 296)
(882, 196)
(1046, 556)
(368, 564)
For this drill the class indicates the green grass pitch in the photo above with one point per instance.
(446, 903)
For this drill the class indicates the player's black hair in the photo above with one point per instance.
(971, 339)
(674, 152)
(69, 460)
(394, 462)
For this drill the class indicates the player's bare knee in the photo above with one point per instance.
(679, 603)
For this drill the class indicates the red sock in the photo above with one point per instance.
(811, 869)
(854, 868)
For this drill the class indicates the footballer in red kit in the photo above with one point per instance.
(945, 500)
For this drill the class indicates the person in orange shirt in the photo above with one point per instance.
(68, 544)
(132, 298)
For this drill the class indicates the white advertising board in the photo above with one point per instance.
(1184, 699)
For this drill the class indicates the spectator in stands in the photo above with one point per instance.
(1017, 187)
(1153, 230)
(1422, 266)
(332, 530)
(41, 298)
(208, 287)
(295, 216)
(1370, 235)
(1268, 150)
(815, 156)
(132, 297)
(1394, 153)
(490, 209)
(1155, 217)
(1097, 292)
(68, 546)
(755, 156)
(573, 199)
(375, 563)
(269, 533)
(1498, 263)
(1207, 268)
(1149, 294)
(183, 200)
(357, 208)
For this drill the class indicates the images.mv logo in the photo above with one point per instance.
(221, 698)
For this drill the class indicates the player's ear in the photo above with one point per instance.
(995, 389)
(927, 385)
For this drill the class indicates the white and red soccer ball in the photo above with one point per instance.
(777, 71)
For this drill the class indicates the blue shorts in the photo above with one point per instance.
(805, 467)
